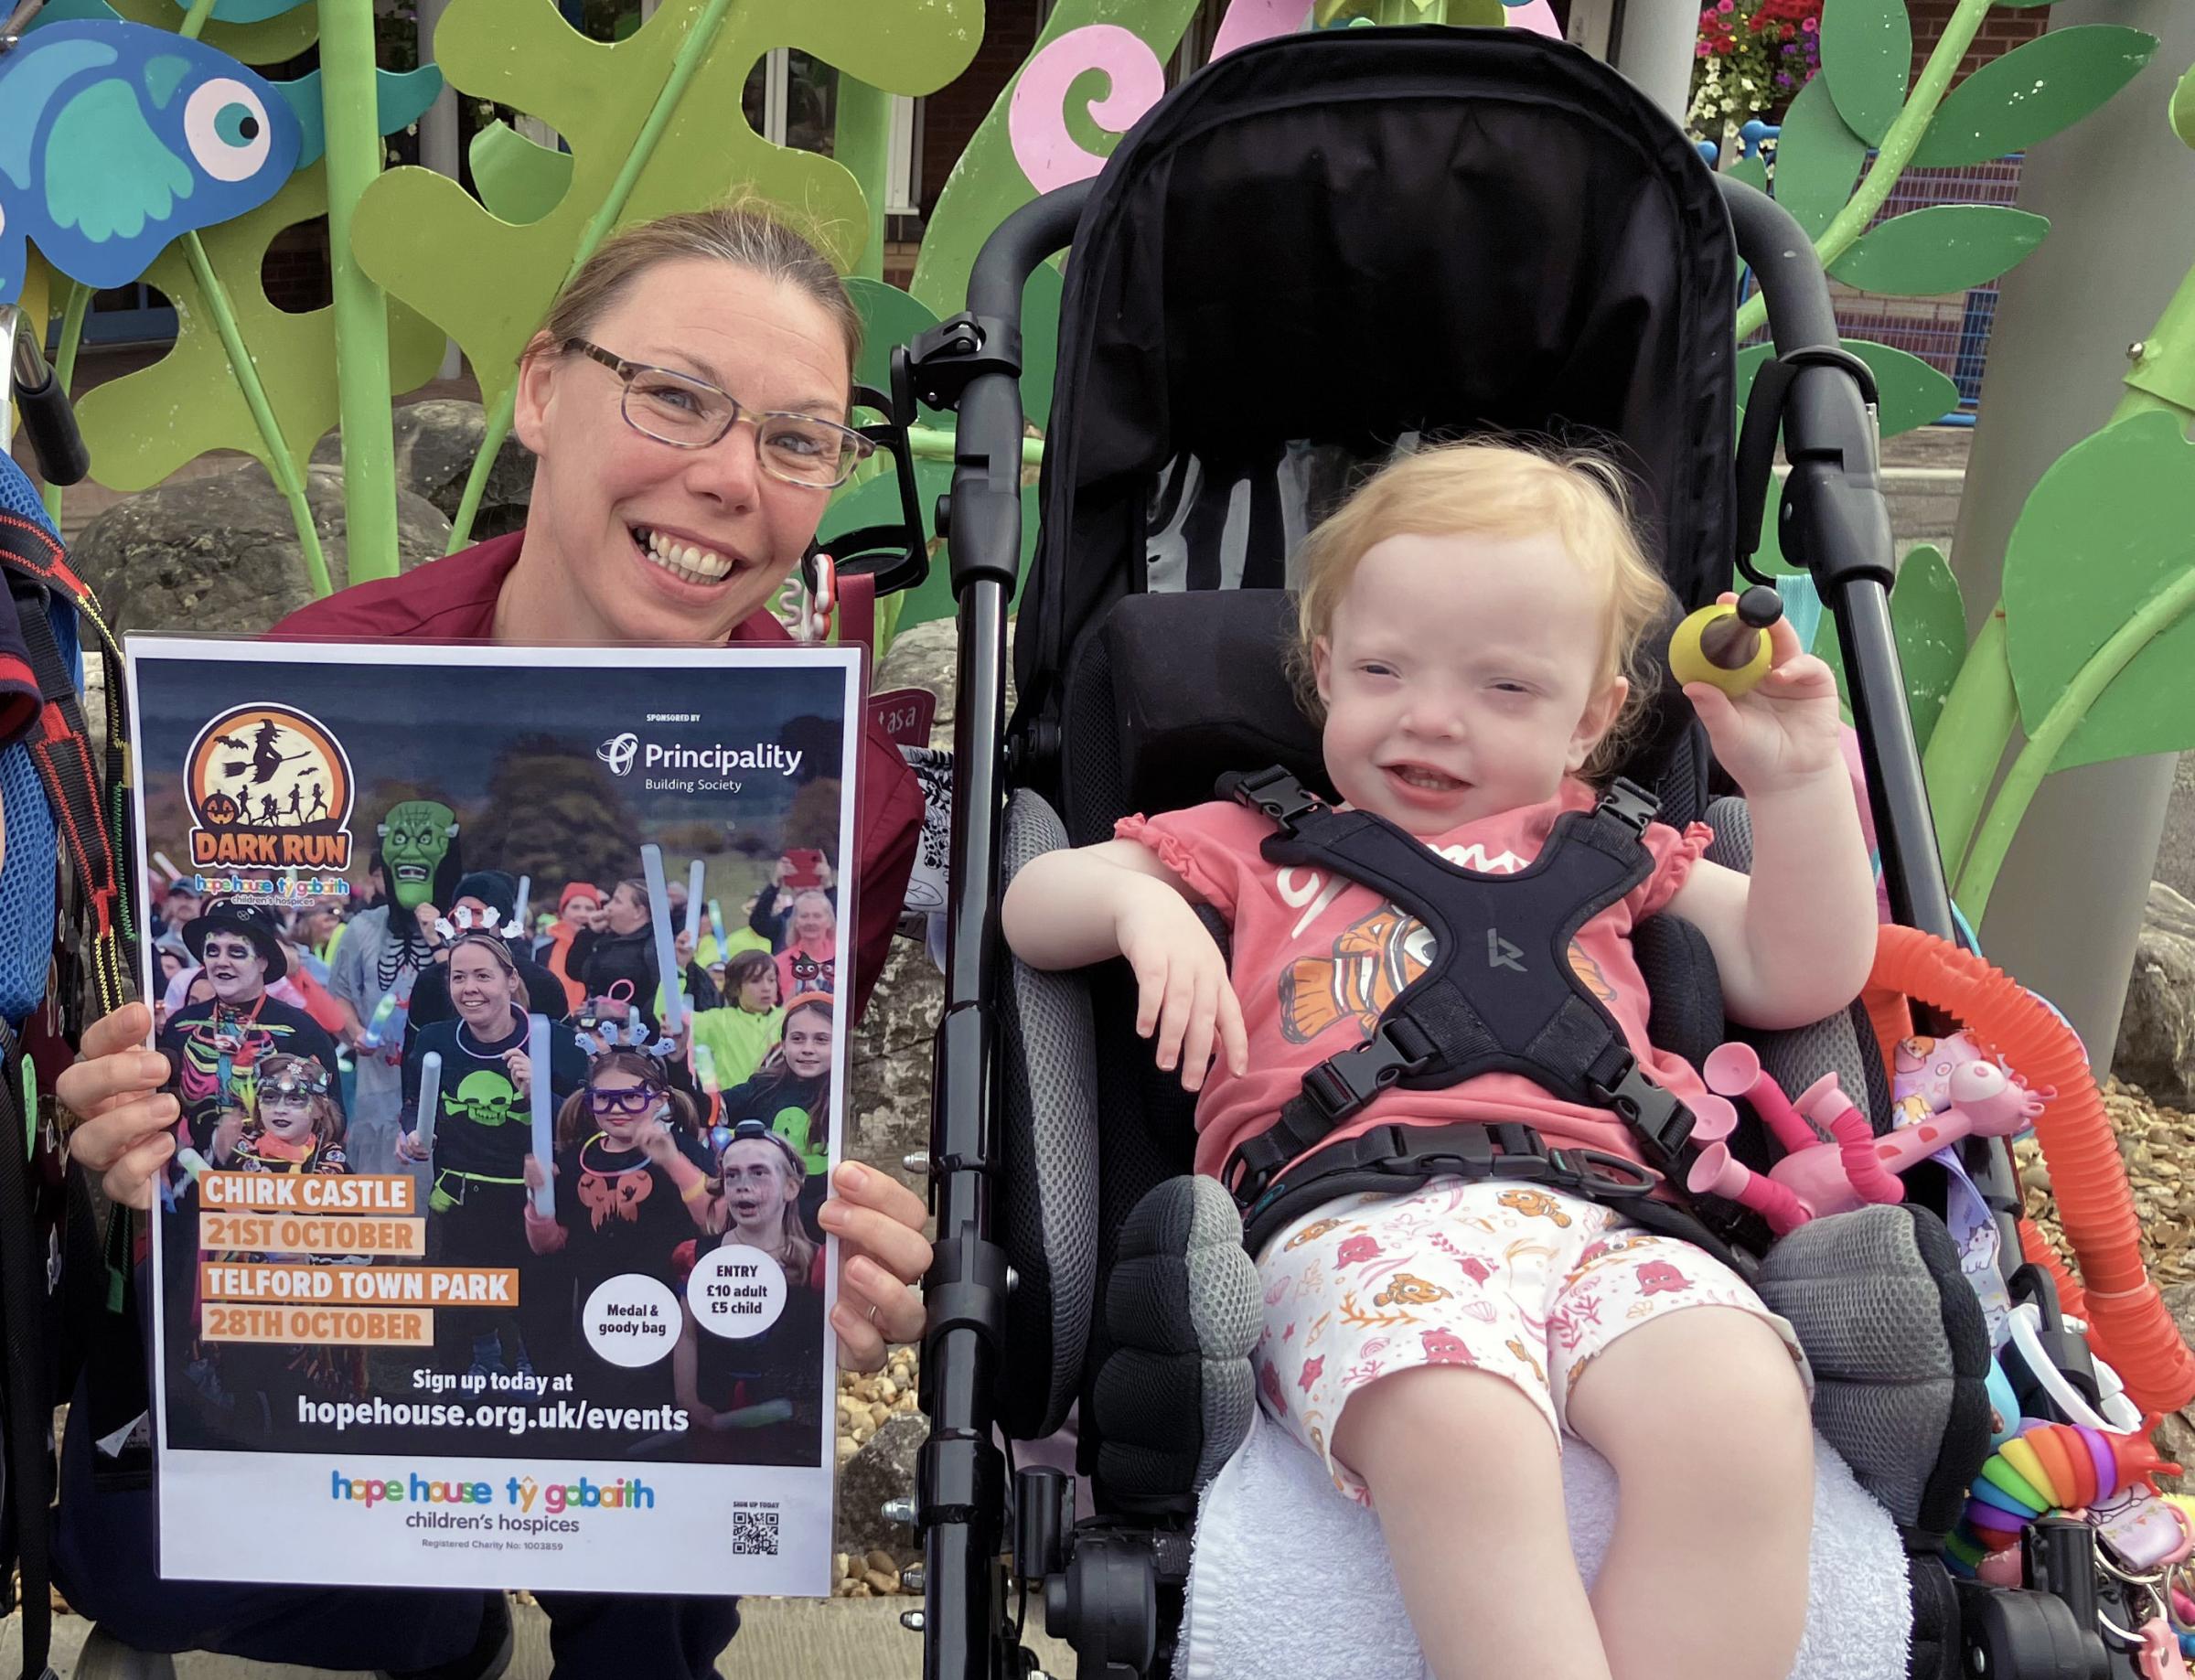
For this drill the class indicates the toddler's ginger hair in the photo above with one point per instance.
(1499, 490)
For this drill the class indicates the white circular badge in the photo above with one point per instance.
(736, 1291)
(631, 1319)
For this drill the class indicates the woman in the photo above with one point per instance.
(742, 1034)
(790, 1093)
(622, 953)
(733, 306)
(757, 1400)
(578, 908)
(810, 962)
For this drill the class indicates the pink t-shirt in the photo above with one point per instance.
(1316, 960)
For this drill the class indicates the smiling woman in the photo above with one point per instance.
(687, 401)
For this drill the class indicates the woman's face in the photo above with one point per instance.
(580, 910)
(758, 993)
(813, 918)
(808, 1044)
(234, 969)
(288, 1115)
(599, 482)
(757, 1182)
(480, 988)
(171, 965)
(622, 1103)
(627, 917)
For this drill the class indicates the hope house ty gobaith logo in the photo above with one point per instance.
(269, 788)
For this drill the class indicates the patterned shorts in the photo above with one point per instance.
(1529, 1283)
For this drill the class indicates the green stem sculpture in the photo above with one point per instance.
(1969, 740)
(64, 369)
(691, 51)
(862, 141)
(347, 94)
(281, 466)
(1896, 150)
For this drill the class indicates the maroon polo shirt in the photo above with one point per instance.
(453, 599)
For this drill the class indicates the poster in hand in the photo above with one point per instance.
(489, 1257)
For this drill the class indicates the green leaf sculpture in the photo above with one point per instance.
(2102, 564)
(1928, 619)
(144, 426)
(1866, 56)
(1945, 248)
(2032, 92)
(1910, 392)
(1817, 158)
(2183, 109)
(655, 124)
(519, 179)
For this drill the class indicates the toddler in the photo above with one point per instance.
(1470, 626)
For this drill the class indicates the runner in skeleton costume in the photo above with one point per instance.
(383, 952)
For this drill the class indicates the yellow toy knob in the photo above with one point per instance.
(1726, 645)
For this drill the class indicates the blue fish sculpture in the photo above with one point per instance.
(115, 138)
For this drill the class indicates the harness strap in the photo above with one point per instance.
(1484, 1003)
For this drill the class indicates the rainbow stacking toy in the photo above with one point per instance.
(2050, 1467)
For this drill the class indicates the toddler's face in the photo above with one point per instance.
(1459, 676)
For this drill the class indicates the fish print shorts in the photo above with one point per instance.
(1529, 1283)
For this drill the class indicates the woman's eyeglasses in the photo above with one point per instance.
(630, 1099)
(691, 413)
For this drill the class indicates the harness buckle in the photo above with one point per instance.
(1274, 792)
(1661, 1124)
(1602, 1176)
(1341, 1085)
(1628, 804)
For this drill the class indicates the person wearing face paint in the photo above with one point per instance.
(720, 1380)
(632, 1184)
(210, 1046)
(477, 1170)
(678, 402)
(791, 1093)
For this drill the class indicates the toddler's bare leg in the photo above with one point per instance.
(1466, 1480)
(1705, 1419)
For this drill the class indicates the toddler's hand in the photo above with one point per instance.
(1785, 731)
(1183, 999)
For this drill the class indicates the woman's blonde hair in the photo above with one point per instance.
(746, 233)
(1498, 489)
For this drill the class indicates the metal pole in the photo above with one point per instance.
(361, 312)
(2067, 906)
(1652, 45)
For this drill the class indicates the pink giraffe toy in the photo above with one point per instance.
(1815, 1178)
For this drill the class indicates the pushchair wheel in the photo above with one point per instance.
(2025, 1636)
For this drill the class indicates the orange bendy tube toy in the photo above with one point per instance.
(2095, 1204)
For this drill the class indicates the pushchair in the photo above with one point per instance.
(1310, 253)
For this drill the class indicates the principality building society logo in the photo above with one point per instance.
(269, 788)
(625, 751)
(618, 753)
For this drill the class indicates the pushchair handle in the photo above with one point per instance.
(1771, 243)
(35, 389)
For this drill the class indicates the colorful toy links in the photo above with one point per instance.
(1726, 644)
(2050, 1467)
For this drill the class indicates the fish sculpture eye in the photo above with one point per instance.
(228, 129)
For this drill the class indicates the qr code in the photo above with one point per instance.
(755, 1533)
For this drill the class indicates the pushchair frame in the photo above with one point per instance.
(1834, 522)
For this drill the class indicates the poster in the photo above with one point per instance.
(421, 904)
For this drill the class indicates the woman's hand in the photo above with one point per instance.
(1785, 731)
(682, 946)
(1184, 1002)
(536, 1176)
(882, 1251)
(409, 1146)
(521, 1073)
(124, 1125)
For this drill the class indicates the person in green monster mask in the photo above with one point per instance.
(381, 955)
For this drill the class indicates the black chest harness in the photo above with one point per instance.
(1499, 995)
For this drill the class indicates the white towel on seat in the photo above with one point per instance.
(1289, 1578)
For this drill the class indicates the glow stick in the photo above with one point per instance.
(693, 901)
(667, 957)
(544, 1115)
(192, 1162)
(430, 1098)
(371, 1037)
(173, 874)
(525, 893)
(704, 1068)
(716, 924)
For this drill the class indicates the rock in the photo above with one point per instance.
(889, 1113)
(2175, 1436)
(221, 552)
(435, 443)
(2157, 1031)
(882, 1583)
(883, 1561)
(928, 655)
(882, 1469)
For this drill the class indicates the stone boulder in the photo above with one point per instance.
(436, 441)
(881, 1468)
(2157, 1031)
(888, 1115)
(220, 554)
(2175, 1435)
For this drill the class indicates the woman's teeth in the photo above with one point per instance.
(682, 560)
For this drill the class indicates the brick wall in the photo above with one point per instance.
(951, 116)
(295, 270)
(2001, 31)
